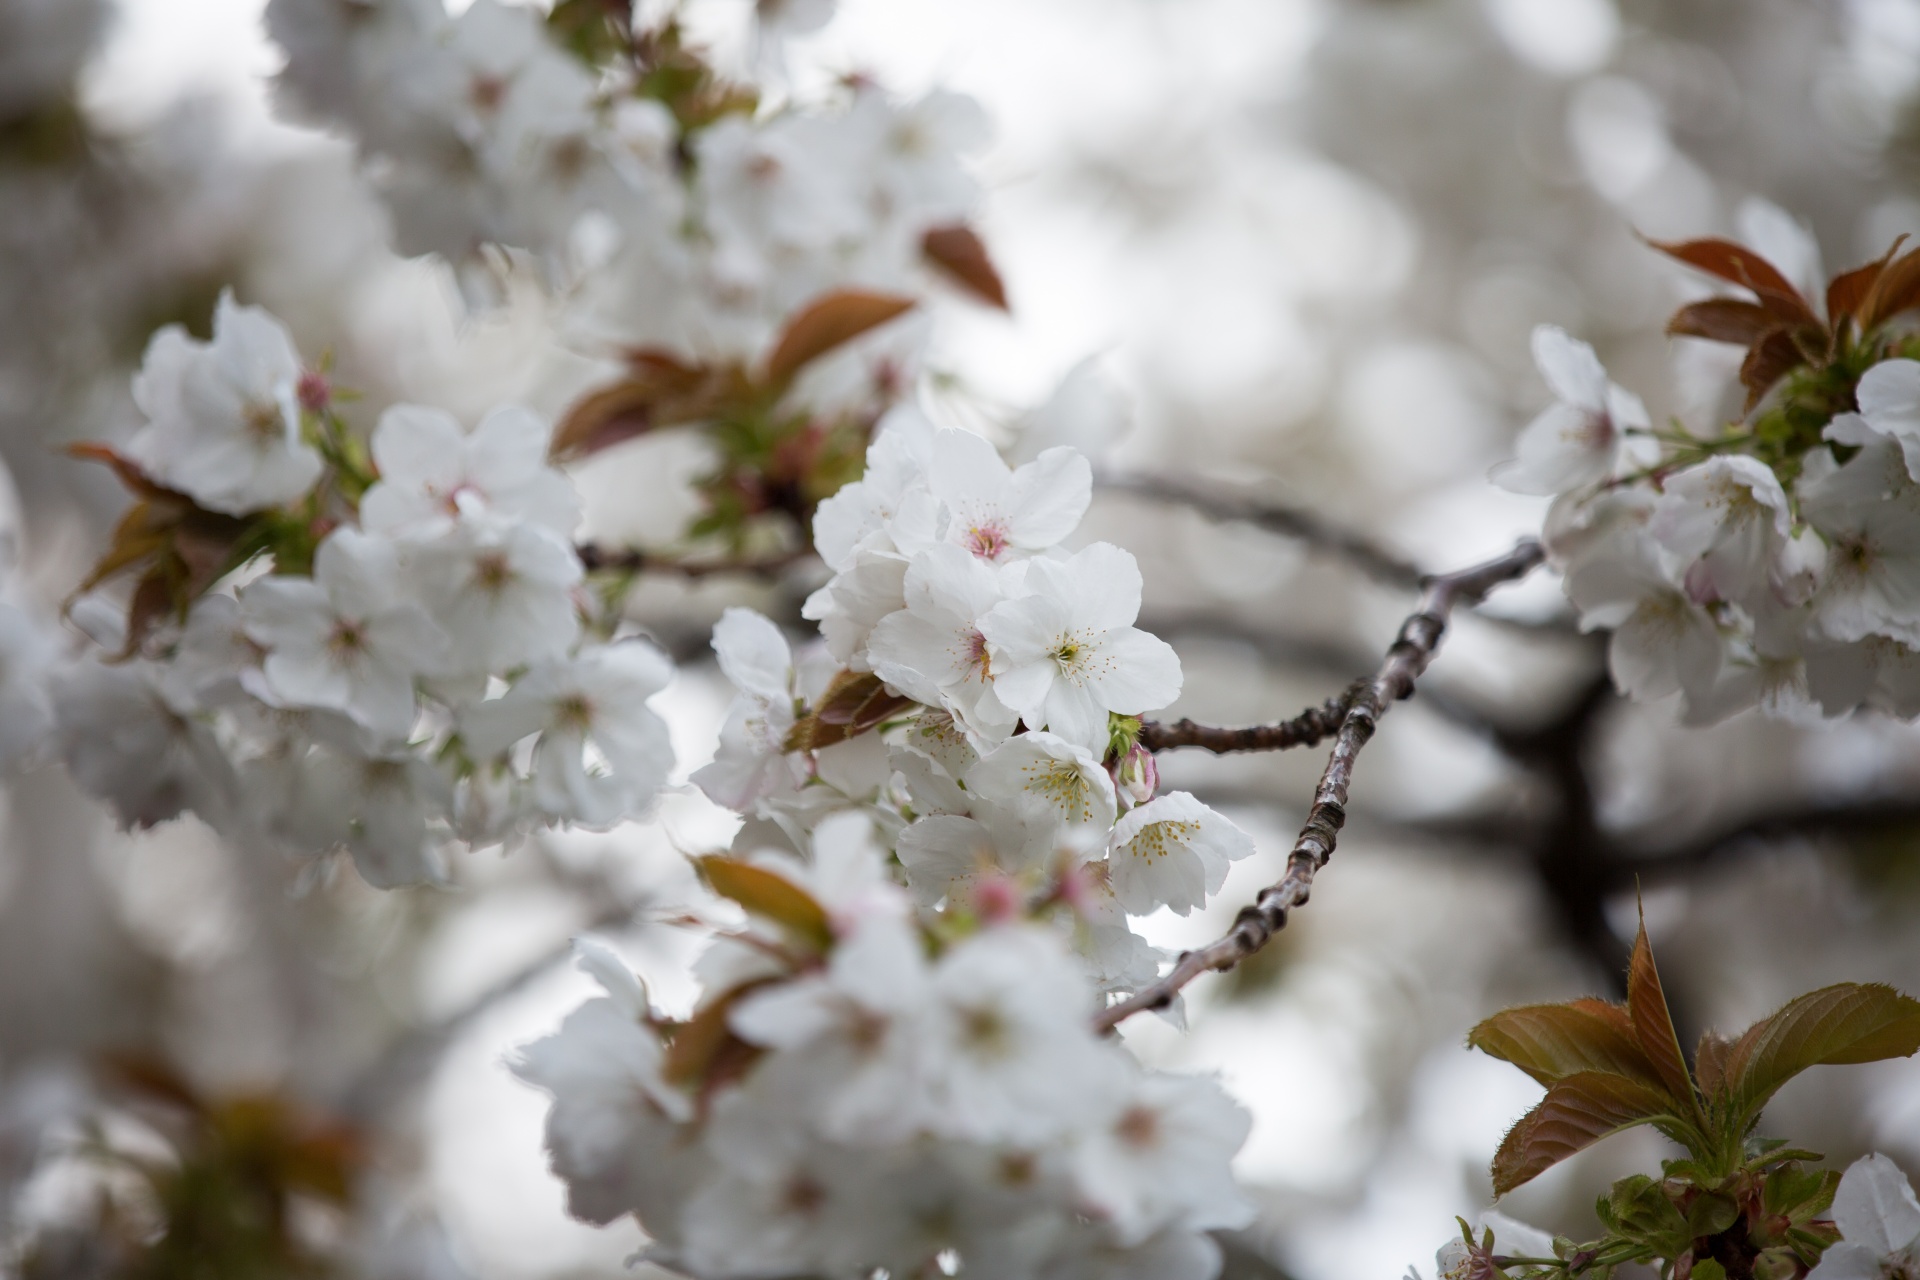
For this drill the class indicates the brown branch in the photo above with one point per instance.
(1304, 730)
(1412, 650)
(1220, 503)
(597, 558)
(1861, 820)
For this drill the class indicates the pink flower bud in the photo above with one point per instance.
(1135, 775)
(1076, 885)
(314, 391)
(996, 899)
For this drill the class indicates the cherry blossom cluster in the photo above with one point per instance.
(860, 1090)
(404, 665)
(687, 216)
(1774, 562)
(950, 781)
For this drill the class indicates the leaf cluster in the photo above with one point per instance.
(226, 1200)
(773, 457)
(176, 550)
(1735, 1207)
(1816, 361)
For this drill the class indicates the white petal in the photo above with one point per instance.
(754, 655)
(1138, 672)
(1050, 495)
(1571, 369)
(1875, 1206)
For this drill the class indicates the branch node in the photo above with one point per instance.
(1360, 709)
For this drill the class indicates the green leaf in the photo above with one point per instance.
(1708, 1269)
(1798, 1194)
(766, 894)
(1640, 1210)
(1710, 1214)
(1579, 1110)
(1848, 1023)
(1552, 1041)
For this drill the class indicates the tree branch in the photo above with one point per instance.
(1843, 821)
(1304, 730)
(1222, 504)
(597, 558)
(1412, 650)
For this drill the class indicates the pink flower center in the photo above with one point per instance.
(988, 541)
(977, 657)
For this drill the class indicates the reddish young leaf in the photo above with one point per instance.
(1710, 1062)
(1737, 264)
(659, 392)
(1895, 290)
(1723, 320)
(1653, 1024)
(1577, 1112)
(1849, 291)
(137, 481)
(1772, 359)
(826, 324)
(1552, 1041)
(854, 703)
(960, 255)
(1848, 1023)
(705, 1042)
(765, 893)
(153, 599)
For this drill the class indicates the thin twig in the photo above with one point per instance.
(1304, 730)
(1222, 503)
(597, 558)
(1412, 650)
(1859, 820)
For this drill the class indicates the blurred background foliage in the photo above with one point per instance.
(1311, 237)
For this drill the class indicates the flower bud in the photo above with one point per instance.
(1136, 776)
(996, 899)
(315, 392)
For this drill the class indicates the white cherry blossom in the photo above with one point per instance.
(223, 418)
(933, 650)
(995, 512)
(602, 753)
(1161, 1159)
(1662, 641)
(864, 515)
(27, 652)
(1574, 441)
(1010, 1038)
(1879, 1221)
(752, 761)
(1727, 522)
(348, 638)
(1871, 583)
(862, 1028)
(1066, 653)
(1045, 782)
(612, 1130)
(126, 744)
(433, 473)
(383, 810)
(1889, 399)
(502, 592)
(1172, 852)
